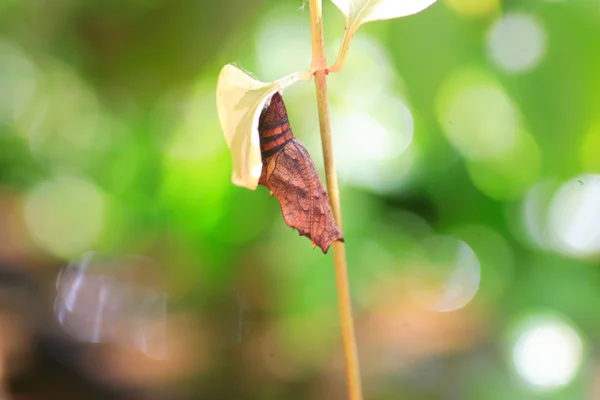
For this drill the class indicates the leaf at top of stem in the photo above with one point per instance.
(358, 12)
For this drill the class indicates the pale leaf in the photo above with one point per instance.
(240, 100)
(358, 12)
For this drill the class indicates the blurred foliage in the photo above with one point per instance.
(118, 96)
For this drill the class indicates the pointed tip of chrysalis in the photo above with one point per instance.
(326, 249)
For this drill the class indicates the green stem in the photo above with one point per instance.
(319, 65)
(339, 250)
(344, 47)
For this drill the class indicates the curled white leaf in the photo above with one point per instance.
(358, 12)
(240, 100)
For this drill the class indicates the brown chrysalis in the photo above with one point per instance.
(290, 174)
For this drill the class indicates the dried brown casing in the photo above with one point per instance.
(290, 174)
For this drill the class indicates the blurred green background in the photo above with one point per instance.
(467, 139)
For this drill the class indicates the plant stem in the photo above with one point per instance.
(344, 47)
(316, 33)
(290, 79)
(319, 65)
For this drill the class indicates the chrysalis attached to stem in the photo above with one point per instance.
(290, 174)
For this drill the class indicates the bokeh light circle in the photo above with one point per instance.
(495, 254)
(118, 300)
(18, 80)
(197, 117)
(66, 128)
(445, 274)
(478, 117)
(378, 160)
(368, 73)
(65, 215)
(574, 215)
(547, 351)
(516, 42)
(511, 174)
(279, 54)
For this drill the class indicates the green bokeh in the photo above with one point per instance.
(124, 98)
